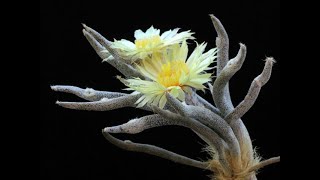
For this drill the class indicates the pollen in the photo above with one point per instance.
(171, 72)
(148, 42)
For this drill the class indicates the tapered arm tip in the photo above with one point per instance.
(54, 88)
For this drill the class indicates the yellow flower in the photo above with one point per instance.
(149, 42)
(171, 71)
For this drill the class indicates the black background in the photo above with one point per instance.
(71, 144)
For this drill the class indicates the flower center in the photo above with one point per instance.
(171, 72)
(148, 42)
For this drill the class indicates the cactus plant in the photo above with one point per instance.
(165, 82)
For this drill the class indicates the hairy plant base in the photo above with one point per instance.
(235, 171)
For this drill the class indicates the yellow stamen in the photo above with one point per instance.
(171, 72)
(148, 42)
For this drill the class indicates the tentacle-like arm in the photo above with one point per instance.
(104, 104)
(126, 69)
(106, 43)
(218, 90)
(88, 94)
(213, 139)
(100, 50)
(264, 163)
(211, 120)
(101, 100)
(165, 118)
(138, 125)
(207, 105)
(253, 92)
(260, 165)
(154, 150)
(222, 42)
(208, 118)
(101, 40)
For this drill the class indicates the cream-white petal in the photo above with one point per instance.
(139, 34)
(163, 101)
